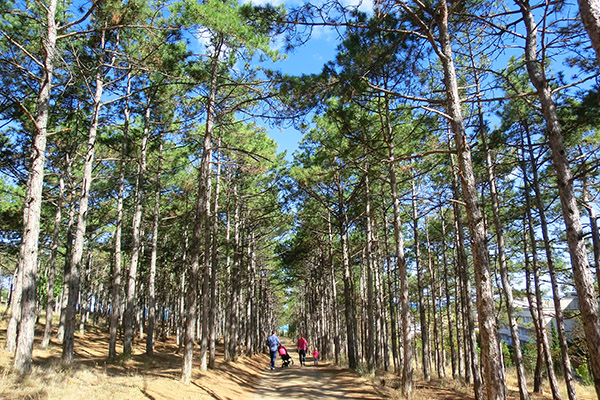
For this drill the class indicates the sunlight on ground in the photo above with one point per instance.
(158, 377)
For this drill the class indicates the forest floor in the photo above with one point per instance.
(158, 377)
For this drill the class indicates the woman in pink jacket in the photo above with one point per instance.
(302, 349)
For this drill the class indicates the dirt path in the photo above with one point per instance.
(312, 382)
(323, 381)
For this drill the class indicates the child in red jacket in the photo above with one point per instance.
(315, 354)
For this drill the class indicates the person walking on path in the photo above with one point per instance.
(273, 343)
(315, 354)
(302, 349)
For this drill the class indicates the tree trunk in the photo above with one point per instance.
(407, 359)
(349, 306)
(64, 300)
(537, 377)
(152, 275)
(136, 237)
(11, 293)
(461, 350)
(538, 297)
(191, 305)
(115, 309)
(433, 290)
(204, 197)
(470, 338)
(33, 200)
(490, 349)
(84, 294)
(214, 266)
(564, 350)
(584, 283)
(447, 292)
(423, 322)
(593, 227)
(334, 308)
(370, 258)
(75, 266)
(390, 297)
(52, 264)
(228, 277)
(590, 15)
(382, 348)
(15, 311)
(506, 286)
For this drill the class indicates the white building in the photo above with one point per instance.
(569, 305)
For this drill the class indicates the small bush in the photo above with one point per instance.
(507, 353)
(584, 374)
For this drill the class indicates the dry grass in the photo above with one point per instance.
(137, 377)
(583, 392)
(458, 389)
(158, 377)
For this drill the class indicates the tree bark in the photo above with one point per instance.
(593, 227)
(538, 297)
(472, 365)
(423, 321)
(204, 198)
(406, 331)
(453, 357)
(33, 200)
(154, 252)
(15, 311)
(564, 350)
(506, 286)
(370, 255)
(349, 309)
(490, 350)
(64, 300)
(136, 237)
(537, 376)
(434, 313)
(584, 283)
(118, 258)
(390, 297)
(333, 294)
(77, 256)
(590, 15)
(52, 263)
(214, 266)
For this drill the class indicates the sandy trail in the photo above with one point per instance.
(323, 381)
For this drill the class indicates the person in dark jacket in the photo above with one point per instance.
(273, 344)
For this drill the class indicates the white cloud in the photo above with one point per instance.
(277, 43)
(362, 5)
(203, 38)
(323, 32)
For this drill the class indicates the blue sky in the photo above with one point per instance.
(311, 57)
(306, 59)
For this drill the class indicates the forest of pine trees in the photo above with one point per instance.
(448, 168)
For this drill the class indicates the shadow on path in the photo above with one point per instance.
(313, 382)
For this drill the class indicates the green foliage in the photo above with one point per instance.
(529, 351)
(555, 347)
(584, 374)
(507, 353)
(11, 214)
(242, 26)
